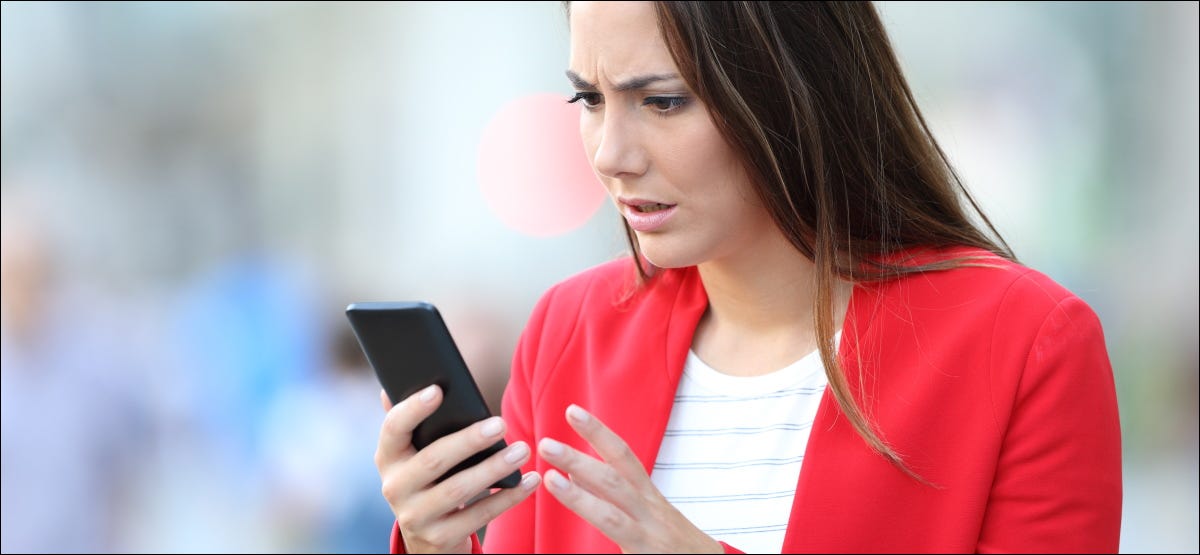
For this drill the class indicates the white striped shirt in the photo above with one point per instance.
(731, 455)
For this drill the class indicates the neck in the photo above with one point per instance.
(762, 289)
(760, 308)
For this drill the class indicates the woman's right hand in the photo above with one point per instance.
(433, 517)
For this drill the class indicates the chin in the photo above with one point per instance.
(668, 254)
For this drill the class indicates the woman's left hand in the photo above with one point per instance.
(616, 495)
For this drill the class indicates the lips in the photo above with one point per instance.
(646, 215)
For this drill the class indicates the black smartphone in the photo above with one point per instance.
(410, 348)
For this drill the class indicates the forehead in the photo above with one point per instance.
(615, 40)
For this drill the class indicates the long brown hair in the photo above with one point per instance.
(812, 98)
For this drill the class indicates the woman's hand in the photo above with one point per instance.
(434, 518)
(616, 495)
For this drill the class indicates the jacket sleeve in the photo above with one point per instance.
(397, 543)
(1057, 487)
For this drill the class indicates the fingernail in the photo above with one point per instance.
(428, 393)
(551, 447)
(530, 481)
(557, 481)
(576, 413)
(516, 452)
(492, 427)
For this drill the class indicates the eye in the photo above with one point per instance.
(664, 104)
(590, 99)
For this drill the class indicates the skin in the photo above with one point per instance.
(648, 137)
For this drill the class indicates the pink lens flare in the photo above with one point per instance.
(533, 172)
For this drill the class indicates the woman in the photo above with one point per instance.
(813, 347)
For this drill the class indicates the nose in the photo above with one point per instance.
(618, 153)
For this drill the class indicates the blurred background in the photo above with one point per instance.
(193, 192)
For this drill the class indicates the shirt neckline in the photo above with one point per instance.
(807, 369)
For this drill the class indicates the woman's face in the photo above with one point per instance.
(653, 144)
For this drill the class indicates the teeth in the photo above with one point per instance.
(655, 207)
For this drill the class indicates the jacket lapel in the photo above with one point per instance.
(666, 322)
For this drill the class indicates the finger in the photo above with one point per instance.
(479, 514)
(395, 436)
(385, 401)
(468, 483)
(437, 458)
(608, 445)
(605, 516)
(597, 477)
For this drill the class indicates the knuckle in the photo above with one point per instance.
(390, 490)
(611, 520)
(406, 519)
(495, 509)
(610, 479)
(428, 460)
(438, 537)
(457, 491)
(380, 459)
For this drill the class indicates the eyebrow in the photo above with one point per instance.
(633, 84)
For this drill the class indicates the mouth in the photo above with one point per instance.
(644, 206)
(652, 207)
(646, 215)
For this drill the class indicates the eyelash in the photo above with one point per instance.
(591, 100)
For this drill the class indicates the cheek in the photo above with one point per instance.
(704, 162)
(590, 135)
(710, 149)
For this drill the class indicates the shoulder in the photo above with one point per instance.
(987, 305)
(989, 312)
(983, 281)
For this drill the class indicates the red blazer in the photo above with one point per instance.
(993, 383)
